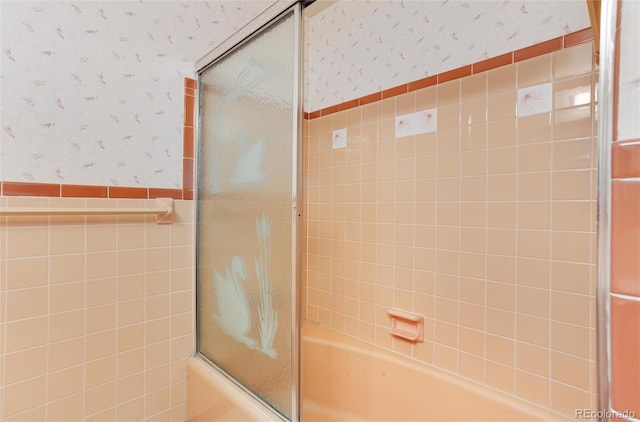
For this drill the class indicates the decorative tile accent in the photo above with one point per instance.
(84, 191)
(493, 62)
(404, 126)
(425, 121)
(339, 139)
(30, 189)
(453, 74)
(538, 49)
(578, 37)
(126, 192)
(534, 100)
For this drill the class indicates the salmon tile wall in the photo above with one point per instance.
(96, 313)
(625, 217)
(486, 227)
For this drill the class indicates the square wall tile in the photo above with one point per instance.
(625, 238)
(625, 354)
(22, 396)
(625, 159)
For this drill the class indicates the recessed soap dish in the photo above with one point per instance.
(407, 325)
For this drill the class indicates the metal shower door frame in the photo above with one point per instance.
(606, 106)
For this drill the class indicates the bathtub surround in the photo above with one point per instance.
(486, 226)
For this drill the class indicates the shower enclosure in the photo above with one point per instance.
(247, 217)
(467, 199)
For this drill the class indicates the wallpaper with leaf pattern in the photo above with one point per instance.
(92, 92)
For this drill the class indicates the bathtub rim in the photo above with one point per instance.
(236, 392)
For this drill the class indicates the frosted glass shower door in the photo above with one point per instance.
(247, 188)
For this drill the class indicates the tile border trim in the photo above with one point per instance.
(549, 46)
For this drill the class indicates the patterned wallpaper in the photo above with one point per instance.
(92, 92)
(355, 48)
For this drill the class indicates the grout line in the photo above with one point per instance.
(517, 238)
(144, 322)
(435, 242)
(486, 227)
(3, 308)
(117, 307)
(171, 316)
(47, 335)
(306, 157)
(395, 213)
(459, 225)
(625, 297)
(551, 231)
(413, 241)
(592, 217)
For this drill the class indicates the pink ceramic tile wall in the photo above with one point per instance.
(96, 313)
(486, 227)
